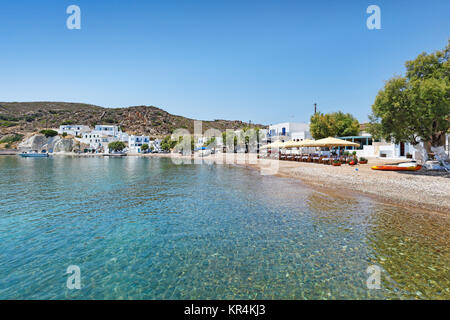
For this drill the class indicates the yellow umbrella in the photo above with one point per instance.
(275, 145)
(297, 144)
(333, 142)
(290, 144)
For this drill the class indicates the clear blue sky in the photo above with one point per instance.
(265, 61)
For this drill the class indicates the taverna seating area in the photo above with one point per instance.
(307, 151)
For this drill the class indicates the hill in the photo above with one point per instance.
(27, 117)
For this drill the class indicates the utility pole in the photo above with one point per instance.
(315, 108)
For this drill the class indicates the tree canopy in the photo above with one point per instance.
(415, 107)
(167, 143)
(116, 146)
(49, 133)
(336, 124)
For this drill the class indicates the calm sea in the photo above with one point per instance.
(141, 228)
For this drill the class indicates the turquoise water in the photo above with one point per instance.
(143, 228)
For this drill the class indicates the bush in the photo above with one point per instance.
(64, 134)
(12, 138)
(9, 118)
(362, 159)
(4, 123)
(144, 147)
(49, 133)
(67, 122)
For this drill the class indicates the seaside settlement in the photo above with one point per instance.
(98, 140)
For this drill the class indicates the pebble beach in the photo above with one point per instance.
(424, 189)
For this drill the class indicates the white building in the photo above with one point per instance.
(111, 130)
(135, 143)
(370, 147)
(107, 130)
(289, 131)
(156, 144)
(97, 141)
(74, 130)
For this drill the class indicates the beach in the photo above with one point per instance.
(148, 228)
(423, 189)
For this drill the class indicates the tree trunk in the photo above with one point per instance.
(421, 154)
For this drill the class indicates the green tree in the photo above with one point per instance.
(415, 107)
(211, 142)
(144, 147)
(167, 143)
(232, 136)
(116, 146)
(49, 133)
(336, 124)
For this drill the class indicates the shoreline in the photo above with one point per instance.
(426, 190)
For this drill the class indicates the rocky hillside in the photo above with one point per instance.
(28, 117)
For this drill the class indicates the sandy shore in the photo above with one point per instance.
(421, 189)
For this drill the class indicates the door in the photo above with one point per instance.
(402, 149)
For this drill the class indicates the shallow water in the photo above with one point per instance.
(143, 228)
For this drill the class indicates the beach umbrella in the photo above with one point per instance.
(290, 144)
(298, 144)
(331, 142)
(275, 145)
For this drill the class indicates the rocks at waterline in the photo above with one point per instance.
(63, 145)
(39, 142)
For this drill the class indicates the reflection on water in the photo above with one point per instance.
(144, 228)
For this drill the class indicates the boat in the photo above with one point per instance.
(406, 166)
(34, 154)
(115, 154)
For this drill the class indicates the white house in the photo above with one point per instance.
(289, 131)
(369, 147)
(74, 130)
(96, 140)
(111, 130)
(135, 143)
(156, 144)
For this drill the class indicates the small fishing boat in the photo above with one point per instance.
(406, 166)
(34, 154)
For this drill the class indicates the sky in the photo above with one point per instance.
(260, 61)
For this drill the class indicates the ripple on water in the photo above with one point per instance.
(148, 229)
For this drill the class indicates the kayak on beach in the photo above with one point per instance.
(407, 166)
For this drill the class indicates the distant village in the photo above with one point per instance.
(97, 140)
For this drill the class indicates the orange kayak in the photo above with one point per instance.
(397, 168)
